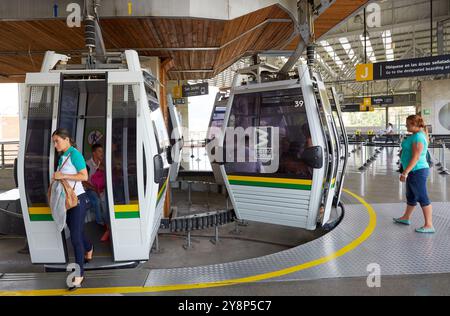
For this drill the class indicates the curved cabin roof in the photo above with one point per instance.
(200, 47)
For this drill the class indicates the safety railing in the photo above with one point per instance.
(195, 157)
(8, 153)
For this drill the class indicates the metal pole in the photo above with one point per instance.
(365, 37)
(431, 27)
(215, 241)
(207, 195)
(189, 193)
(188, 241)
(444, 168)
(3, 156)
(157, 243)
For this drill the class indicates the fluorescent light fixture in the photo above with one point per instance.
(332, 54)
(387, 42)
(348, 48)
(320, 59)
(370, 52)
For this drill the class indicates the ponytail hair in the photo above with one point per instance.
(64, 134)
(418, 121)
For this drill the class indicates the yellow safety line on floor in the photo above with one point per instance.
(260, 277)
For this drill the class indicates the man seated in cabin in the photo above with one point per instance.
(290, 161)
(94, 196)
(95, 186)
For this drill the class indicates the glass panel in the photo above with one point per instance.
(124, 163)
(145, 170)
(216, 123)
(398, 115)
(95, 118)
(68, 106)
(152, 98)
(329, 129)
(38, 146)
(365, 121)
(283, 109)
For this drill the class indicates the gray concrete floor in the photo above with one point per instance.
(248, 243)
(6, 180)
(410, 285)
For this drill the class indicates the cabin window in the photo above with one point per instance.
(123, 147)
(265, 112)
(38, 144)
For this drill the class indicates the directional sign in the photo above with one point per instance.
(193, 90)
(179, 101)
(426, 66)
(350, 107)
(177, 92)
(382, 100)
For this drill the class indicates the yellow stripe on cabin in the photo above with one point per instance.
(126, 208)
(39, 210)
(271, 180)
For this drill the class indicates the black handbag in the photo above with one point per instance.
(429, 160)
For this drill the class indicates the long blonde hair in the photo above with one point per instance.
(418, 121)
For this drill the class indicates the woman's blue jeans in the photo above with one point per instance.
(416, 188)
(95, 203)
(75, 221)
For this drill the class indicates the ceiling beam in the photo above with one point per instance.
(392, 27)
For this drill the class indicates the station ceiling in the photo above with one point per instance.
(200, 48)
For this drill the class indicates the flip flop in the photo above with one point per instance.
(424, 230)
(402, 221)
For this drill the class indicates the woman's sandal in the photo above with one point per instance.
(424, 230)
(75, 286)
(88, 259)
(402, 221)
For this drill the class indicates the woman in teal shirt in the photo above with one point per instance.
(415, 173)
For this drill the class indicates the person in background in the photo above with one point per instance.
(95, 188)
(415, 173)
(92, 164)
(390, 133)
(72, 167)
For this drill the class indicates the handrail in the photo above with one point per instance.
(7, 154)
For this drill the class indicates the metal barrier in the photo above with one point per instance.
(440, 159)
(9, 151)
(195, 157)
(441, 164)
(366, 162)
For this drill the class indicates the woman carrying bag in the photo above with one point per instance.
(72, 168)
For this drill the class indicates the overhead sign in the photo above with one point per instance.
(193, 90)
(383, 100)
(366, 108)
(357, 108)
(179, 101)
(415, 67)
(177, 92)
(367, 102)
(350, 107)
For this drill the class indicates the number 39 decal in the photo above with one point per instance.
(298, 104)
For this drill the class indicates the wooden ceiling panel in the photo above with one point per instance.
(39, 35)
(336, 13)
(210, 45)
(329, 19)
(274, 37)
